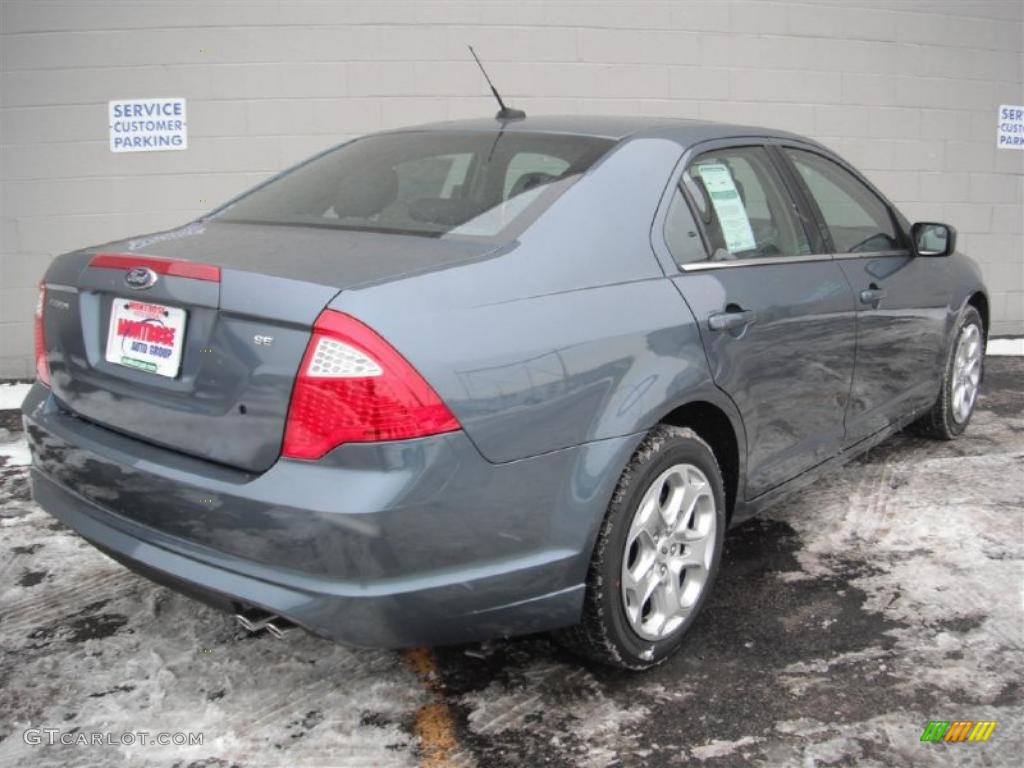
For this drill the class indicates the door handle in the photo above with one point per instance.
(872, 295)
(731, 320)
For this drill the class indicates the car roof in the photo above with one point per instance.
(683, 130)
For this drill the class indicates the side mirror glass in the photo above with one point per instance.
(932, 239)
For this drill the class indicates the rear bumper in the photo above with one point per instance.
(382, 545)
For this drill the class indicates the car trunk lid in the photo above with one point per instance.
(246, 298)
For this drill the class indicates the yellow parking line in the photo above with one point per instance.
(434, 726)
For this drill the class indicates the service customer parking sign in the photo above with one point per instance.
(147, 125)
(1011, 127)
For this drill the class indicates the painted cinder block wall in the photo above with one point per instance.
(907, 90)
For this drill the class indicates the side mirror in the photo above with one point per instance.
(932, 239)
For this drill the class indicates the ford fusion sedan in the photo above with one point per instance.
(493, 377)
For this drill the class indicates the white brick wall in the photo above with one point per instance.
(905, 89)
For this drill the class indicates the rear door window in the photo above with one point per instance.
(857, 219)
(681, 234)
(744, 206)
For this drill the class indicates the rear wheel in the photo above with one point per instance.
(656, 555)
(961, 381)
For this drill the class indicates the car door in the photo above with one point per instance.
(776, 320)
(901, 301)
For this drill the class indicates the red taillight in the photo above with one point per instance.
(42, 366)
(354, 387)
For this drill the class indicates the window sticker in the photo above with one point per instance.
(732, 216)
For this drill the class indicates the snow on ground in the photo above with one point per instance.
(1005, 347)
(14, 454)
(846, 618)
(11, 395)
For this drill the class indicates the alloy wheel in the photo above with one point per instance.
(668, 552)
(966, 372)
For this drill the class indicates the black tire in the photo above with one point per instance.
(939, 423)
(604, 634)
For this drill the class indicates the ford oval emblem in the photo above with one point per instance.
(140, 278)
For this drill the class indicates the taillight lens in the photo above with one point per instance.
(42, 366)
(170, 267)
(354, 387)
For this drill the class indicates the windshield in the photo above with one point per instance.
(433, 184)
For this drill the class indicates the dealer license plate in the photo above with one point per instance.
(147, 337)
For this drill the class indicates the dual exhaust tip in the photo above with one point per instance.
(257, 621)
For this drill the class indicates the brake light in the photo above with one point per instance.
(170, 267)
(355, 387)
(42, 366)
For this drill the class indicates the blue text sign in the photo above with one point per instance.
(147, 125)
(1011, 127)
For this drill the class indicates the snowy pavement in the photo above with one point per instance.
(847, 618)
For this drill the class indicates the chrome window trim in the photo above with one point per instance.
(871, 254)
(700, 266)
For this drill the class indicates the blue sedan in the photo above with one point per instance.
(493, 377)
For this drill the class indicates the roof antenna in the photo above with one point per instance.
(505, 113)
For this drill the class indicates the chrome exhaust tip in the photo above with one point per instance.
(279, 628)
(256, 622)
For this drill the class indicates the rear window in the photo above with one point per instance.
(432, 184)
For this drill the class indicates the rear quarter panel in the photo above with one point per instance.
(569, 335)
